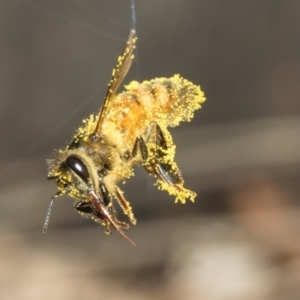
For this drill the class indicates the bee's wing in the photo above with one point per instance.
(118, 74)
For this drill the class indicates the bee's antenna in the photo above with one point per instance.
(49, 210)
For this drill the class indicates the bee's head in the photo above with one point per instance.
(72, 176)
(76, 175)
(72, 173)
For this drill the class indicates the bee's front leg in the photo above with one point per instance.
(125, 206)
(106, 216)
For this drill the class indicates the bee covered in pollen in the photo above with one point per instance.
(131, 128)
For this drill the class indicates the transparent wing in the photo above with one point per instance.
(118, 74)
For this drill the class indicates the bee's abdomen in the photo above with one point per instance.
(168, 100)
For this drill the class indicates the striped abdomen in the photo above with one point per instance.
(166, 101)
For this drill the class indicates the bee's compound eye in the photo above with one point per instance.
(78, 167)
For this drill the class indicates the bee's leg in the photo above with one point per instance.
(159, 163)
(103, 215)
(108, 203)
(83, 207)
(107, 224)
(125, 206)
(141, 146)
(166, 173)
(156, 165)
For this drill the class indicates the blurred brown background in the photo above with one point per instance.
(240, 240)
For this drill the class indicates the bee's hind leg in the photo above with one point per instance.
(157, 153)
(140, 145)
(161, 163)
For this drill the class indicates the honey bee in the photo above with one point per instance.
(130, 129)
